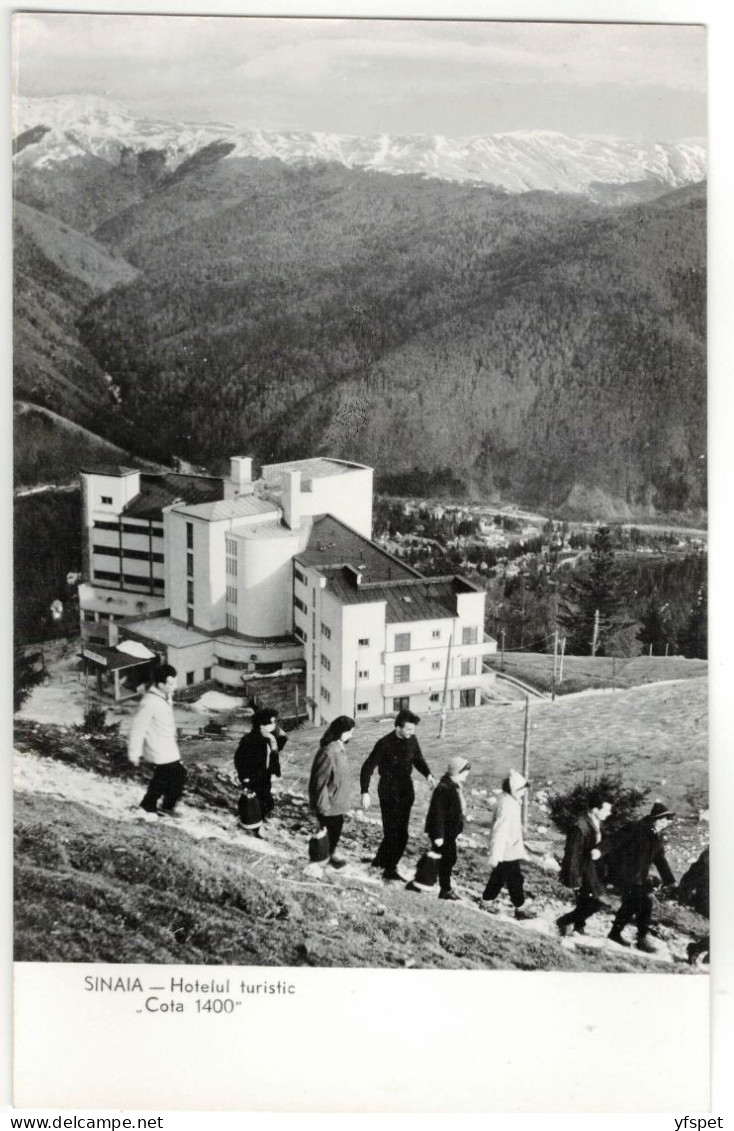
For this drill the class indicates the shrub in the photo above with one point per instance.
(565, 808)
(95, 721)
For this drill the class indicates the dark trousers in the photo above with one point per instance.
(265, 797)
(167, 783)
(587, 905)
(333, 826)
(636, 904)
(507, 874)
(395, 806)
(446, 864)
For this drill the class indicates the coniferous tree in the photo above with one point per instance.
(693, 637)
(597, 587)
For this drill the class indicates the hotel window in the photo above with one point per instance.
(325, 695)
(189, 564)
(232, 594)
(363, 642)
(300, 605)
(99, 525)
(190, 617)
(325, 662)
(189, 592)
(434, 697)
(436, 634)
(469, 635)
(436, 666)
(106, 499)
(363, 675)
(402, 641)
(299, 576)
(207, 674)
(190, 677)
(189, 535)
(401, 673)
(469, 667)
(157, 531)
(231, 622)
(325, 631)
(300, 634)
(401, 703)
(362, 708)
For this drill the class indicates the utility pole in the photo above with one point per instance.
(595, 639)
(555, 665)
(502, 650)
(526, 759)
(442, 722)
(563, 652)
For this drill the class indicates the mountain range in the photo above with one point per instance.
(522, 315)
(521, 161)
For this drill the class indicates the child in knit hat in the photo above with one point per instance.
(445, 821)
(506, 846)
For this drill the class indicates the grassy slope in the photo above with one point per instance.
(604, 672)
(91, 888)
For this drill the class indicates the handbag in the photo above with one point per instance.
(426, 871)
(319, 848)
(248, 808)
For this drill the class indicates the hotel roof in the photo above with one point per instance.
(315, 468)
(159, 491)
(222, 509)
(334, 544)
(425, 598)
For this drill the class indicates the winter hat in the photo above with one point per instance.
(659, 810)
(517, 781)
(457, 764)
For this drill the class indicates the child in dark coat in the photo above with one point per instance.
(445, 820)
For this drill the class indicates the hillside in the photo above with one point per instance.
(201, 892)
(533, 345)
(50, 447)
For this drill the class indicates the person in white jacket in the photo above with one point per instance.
(506, 847)
(153, 738)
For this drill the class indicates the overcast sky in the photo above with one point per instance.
(377, 76)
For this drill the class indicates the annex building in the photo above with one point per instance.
(272, 589)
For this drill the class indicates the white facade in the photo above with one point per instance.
(223, 590)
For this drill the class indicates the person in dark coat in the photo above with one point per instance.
(445, 821)
(257, 757)
(394, 757)
(578, 870)
(693, 889)
(639, 846)
(329, 791)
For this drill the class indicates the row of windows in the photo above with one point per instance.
(232, 567)
(232, 594)
(325, 662)
(138, 555)
(231, 622)
(300, 605)
(128, 579)
(326, 695)
(325, 631)
(299, 577)
(402, 639)
(128, 528)
(230, 546)
(300, 634)
(401, 672)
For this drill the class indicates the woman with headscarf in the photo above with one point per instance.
(329, 791)
(258, 757)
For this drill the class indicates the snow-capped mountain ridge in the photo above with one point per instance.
(520, 161)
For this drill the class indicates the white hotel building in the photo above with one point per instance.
(269, 586)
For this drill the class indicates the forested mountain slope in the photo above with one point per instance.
(536, 345)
